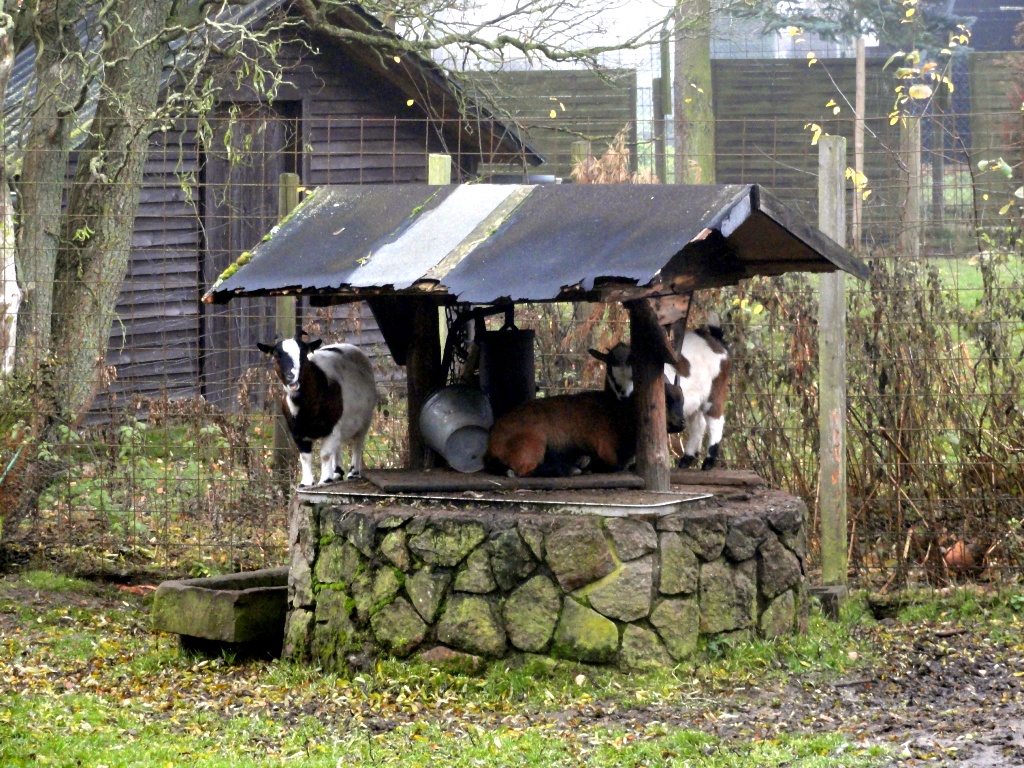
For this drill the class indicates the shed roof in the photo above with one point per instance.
(414, 75)
(486, 243)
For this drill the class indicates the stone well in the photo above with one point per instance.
(629, 590)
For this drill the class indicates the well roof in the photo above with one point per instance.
(487, 243)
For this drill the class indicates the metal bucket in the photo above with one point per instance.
(455, 422)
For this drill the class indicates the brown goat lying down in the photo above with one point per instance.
(556, 436)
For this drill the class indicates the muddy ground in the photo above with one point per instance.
(937, 692)
(939, 696)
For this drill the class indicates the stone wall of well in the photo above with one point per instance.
(629, 591)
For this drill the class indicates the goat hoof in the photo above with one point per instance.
(708, 464)
(686, 462)
(353, 475)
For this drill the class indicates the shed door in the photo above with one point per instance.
(252, 146)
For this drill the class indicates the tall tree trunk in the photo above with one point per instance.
(694, 113)
(10, 295)
(58, 78)
(93, 260)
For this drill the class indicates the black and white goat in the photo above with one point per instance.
(557, 436)
(330, 394)
(695, 390)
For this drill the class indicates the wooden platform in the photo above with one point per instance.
(610, 495)
(447, 481)
(734, 478)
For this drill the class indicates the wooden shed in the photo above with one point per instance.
(346, 115)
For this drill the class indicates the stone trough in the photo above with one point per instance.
(240, 612)
(630, 581)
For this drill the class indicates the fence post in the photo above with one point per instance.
(579, 151)
(832, 367)
(285, 324)
(860, 100)
(910, 212)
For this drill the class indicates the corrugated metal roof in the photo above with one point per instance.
(484, 243)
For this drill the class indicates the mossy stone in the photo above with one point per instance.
(626, 594)
(470, 623)
(579, 554)
(642, 649)
(447, 542)
(779, 617)
(584, 634)
(398, 627)
(394, 549)
(728, 596)
(427, 589)
(511, 559)
(677, 621)
(475, 575)
(679, 566)
(531, 613)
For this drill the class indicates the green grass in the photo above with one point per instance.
(49, 582)
(85, 682)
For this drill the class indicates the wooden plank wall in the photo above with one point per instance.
(585, 106)
(997, 131)
(357, 130)
(762, 107)
(154, 340)
(353, 129)
(240, 205)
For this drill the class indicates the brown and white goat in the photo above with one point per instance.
(330, 393)
(556, 436)
(695, 390)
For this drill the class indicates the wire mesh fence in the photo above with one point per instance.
(173, 464)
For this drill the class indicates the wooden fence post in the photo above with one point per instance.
(860, 100)
(832, 367)
(579, 150)
(911, 228)
(286, 323)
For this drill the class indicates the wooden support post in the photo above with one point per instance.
(649, 357)
(423, 375)
(423, 362)
(832, 367)
(910, 212)
(285, 324)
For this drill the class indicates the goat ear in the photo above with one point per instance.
(314, 345)
(602, 356)
(266, 349)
